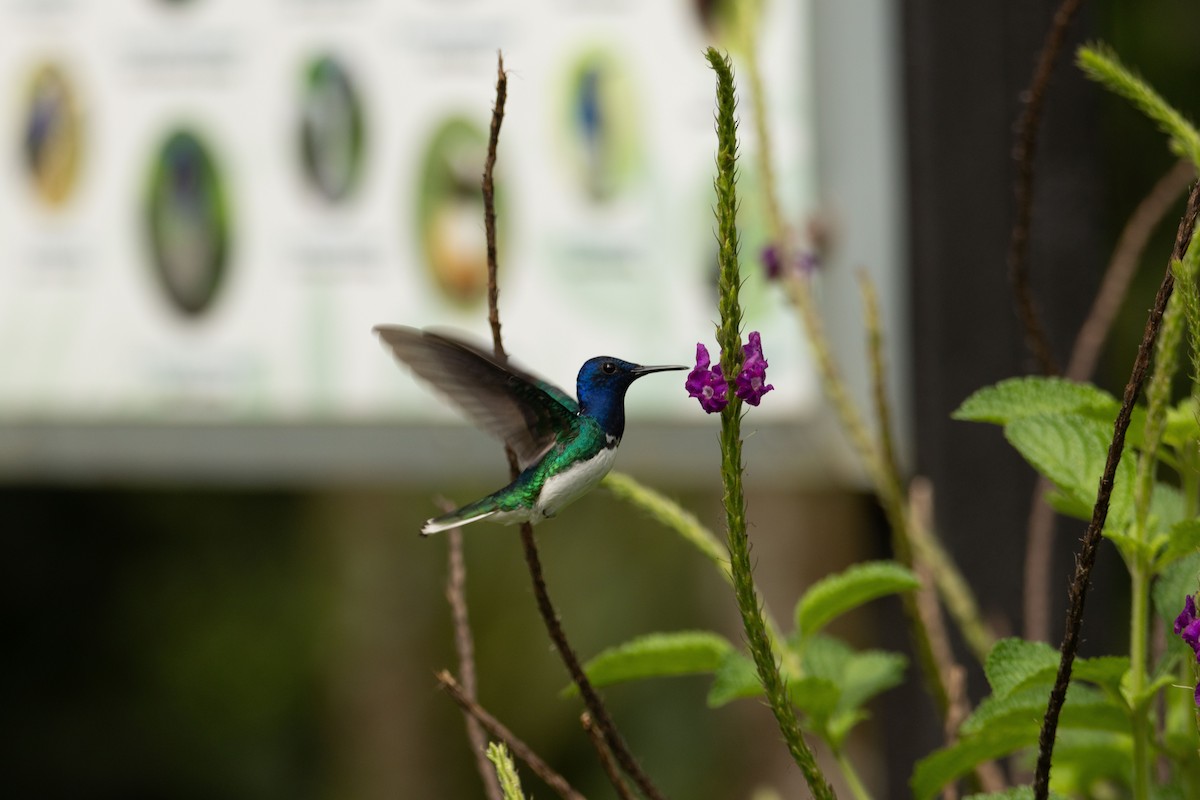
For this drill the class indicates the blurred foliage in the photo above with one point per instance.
(1159, 37)
(255, 644)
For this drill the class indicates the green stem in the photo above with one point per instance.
(1138, 625)
(888, 484)
(677, 518)
(1158, 395)
(729, 338)
(852, 780)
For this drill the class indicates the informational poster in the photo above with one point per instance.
(205, 205)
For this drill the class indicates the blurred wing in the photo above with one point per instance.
(523, 411)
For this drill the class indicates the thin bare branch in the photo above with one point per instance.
(533, 559)
(1089, 343)
(606, 759)
(1024, 152)
(497, 730)
(464, 645)
(1091, 538)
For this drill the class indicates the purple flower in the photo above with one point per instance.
(707, 385)
(1187, 616)
(750, 384)
(802, 263)
(771, 262)
(1187, 625)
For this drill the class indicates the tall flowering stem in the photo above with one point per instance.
(729, 339)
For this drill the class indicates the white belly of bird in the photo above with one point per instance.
(570, 484)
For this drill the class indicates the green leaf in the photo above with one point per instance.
(1167, 507)
(950, 763)
(656, 655)
(1085, 708)
(1182, 425)
(834, 595)
(1015, 665)
(1176, 582)
(735, 678)
(823, 656)
(816, 697)
(1081, 758)
(1013, 662)
(858, 676)
(1015, 793)
(840, 725)
(1104, 671)
(1183, 539)
(1132, 550)
(1069, 505)
(1071, 451)
(869, 673)
(1017, 398)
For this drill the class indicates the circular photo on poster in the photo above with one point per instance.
(331, 130)
(717, 18)
(187, 223)
(52, 140)
(450, 210)
(598, 125)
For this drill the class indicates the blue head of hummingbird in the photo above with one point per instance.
(563, 446)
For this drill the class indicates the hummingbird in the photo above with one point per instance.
(563, 447)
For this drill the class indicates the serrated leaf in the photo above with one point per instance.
(822, 655)
(1167, 506)
(1014, 661)
(816, 697)
(735, 678)
(1017, 398)
(1071, 451)
(1176, 582)
(658, 655)
(1104, 671)
(869, 673)
(834, 595)
(1015, 664)
(1183, 539)
(859, 676)
(1181, 426)
(1085, 708)
(950, 763)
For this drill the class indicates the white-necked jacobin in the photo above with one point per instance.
(563, 447)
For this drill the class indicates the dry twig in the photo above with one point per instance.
(497, 730)
(1091, 538)
(1024, 153)
(591, 699)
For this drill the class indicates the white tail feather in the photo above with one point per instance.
(439, 524)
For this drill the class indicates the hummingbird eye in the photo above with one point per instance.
(608, 368)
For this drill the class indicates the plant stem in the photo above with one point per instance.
(729, 338)
(1025, 150)
(1091, 537)
(1138, 624)
(851, 775)
(672, 515)
(496, 729)
(612, 736)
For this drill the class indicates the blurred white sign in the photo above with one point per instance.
(208, 204)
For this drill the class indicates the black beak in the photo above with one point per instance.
(640, 371)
